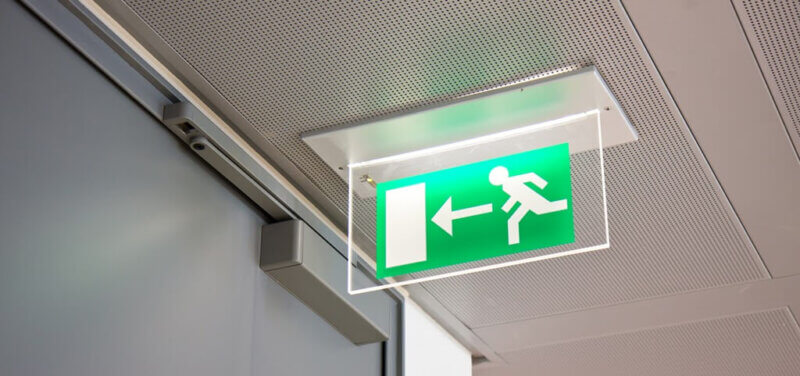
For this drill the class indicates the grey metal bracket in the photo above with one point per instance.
(307, 266)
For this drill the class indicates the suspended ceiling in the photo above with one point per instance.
(705, 200)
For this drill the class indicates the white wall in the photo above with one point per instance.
(430, 350)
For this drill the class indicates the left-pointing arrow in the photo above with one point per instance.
(446, 215)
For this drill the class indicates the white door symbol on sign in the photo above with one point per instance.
(529, 200)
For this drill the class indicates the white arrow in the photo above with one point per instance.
(446, 215)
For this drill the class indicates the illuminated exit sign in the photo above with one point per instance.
(501, 206)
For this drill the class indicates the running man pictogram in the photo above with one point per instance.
(529, 200)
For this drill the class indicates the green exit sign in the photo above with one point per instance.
(506, 205)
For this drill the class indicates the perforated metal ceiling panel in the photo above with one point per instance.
(299, 66)
(773, 28)
(764, 343)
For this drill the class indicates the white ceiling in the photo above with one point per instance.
(762, 343)
(702, 274)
